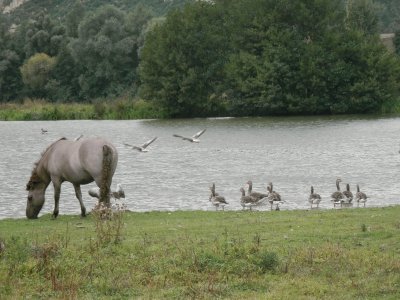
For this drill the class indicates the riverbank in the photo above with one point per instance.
(117, 109)
(330, 254)
(121, 109)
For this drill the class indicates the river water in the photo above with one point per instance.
(292, 152)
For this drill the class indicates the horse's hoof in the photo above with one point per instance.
(55, 215)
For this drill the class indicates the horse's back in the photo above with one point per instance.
(81, 161)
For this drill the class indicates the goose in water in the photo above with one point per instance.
(348, 196)
(193, 139)
(44, 131)
(247, 201)
(255, 195)
(216, 199)
(360, 197)
(116, 194)
(314, 198)
(337, 196)
(143, 147)
(273, 197)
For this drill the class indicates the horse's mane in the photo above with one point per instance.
(34, 176)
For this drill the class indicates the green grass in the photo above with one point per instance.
(118, 109)
(326, 254)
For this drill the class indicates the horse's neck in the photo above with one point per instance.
(42, 167)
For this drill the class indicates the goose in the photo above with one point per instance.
(78, 138)
(246, 200)
(314, 198)
(255, 195)
(116, 194)
(142, 148)
(337, 196)
(273, 197)
(193, 139)
(44, 131)
(348, 195)
(216, 199)
(360, 196)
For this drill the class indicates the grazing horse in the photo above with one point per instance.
(79, 162)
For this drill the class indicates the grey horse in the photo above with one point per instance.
(79, 162)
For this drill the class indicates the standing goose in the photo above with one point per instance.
(216, 199)
(348, 196)
(193, 139)
(255, 195)
(360, 196)
(247, 201)
(337, 196)
(116, 194)
(273, 197)
(314, 198)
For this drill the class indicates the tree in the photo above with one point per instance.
(182, 60)
(36, 73)
(42, 35)
(106, 53)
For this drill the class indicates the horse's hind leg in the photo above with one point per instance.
(78, 194)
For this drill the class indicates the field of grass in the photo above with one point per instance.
(325, 254)
(120, 109)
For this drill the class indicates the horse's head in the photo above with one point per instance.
(36, 189)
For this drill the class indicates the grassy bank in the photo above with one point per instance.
(120, 109)
(331, 254)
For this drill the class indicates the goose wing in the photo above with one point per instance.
(198, 134)
(179, 136)
(145, 145)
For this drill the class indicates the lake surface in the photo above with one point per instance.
(293, 153)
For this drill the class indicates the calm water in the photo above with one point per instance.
(293, 153)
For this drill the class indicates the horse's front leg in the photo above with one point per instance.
(78, 194)
(57, 191)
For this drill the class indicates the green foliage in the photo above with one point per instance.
(106, 52)
(182, 60)
(36, 72)
(210, 58)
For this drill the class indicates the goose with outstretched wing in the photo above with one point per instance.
(142, 148)
(193, 139)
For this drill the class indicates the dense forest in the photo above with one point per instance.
(204, 58)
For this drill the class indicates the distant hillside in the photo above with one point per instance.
(16, 10)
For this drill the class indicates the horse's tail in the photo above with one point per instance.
(106, 175)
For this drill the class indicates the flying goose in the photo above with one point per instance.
(273, 197)
(193, 139)
(216, 199)
(255, 195)
(360, 196)
(116, 194)
(314, 198)
(143, 147)
(78, 138)
(337, 196)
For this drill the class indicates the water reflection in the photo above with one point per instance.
(294, 153)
